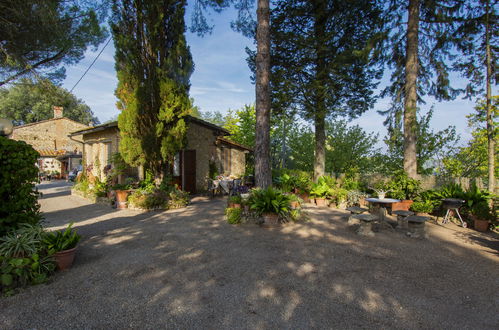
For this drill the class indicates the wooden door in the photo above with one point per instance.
(189, 170)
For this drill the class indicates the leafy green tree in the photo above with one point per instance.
(241, 125)
(31, 101)
(214, 117)
(477, 35)
(418, 47)
(38, 36)
(472, 160)
(323, 61)
(154, 64)
(349, 148)
(430, 145)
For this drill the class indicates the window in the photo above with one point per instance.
(226, 160)
(176, 165)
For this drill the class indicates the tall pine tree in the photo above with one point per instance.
(419, 45)
(154, 64)
(477, 37)
(323, 61)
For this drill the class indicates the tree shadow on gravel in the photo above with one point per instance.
(188, 268)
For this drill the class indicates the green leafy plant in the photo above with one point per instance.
(233, 215)
(320, 189)
(146, 199)
(121, 186)
(404, 187)
(269, 200)
(482, 211)
(62, 240)
(25, 241)
(235, 199)
(339, 195)
(24, 258)
(177, 198)
(422, 206)
(354, 197)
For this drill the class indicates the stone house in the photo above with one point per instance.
(205, 144)
(58, 152)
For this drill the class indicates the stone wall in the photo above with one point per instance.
(99, 147)
(50, 134)
(201, 139)
(238, 162)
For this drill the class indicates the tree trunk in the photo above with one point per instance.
(320, 77)
(263, 174)
(410, 102)
(490, 122)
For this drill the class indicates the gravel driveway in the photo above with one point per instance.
(189, 269)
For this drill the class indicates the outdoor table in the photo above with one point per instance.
(225, 184)
(382, 204)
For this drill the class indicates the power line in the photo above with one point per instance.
(91, 64)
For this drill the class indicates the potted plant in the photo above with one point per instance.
(320, 191)
(481, 214)
(404, 188)
(62, 245)
(235, 201)
(294, 201)
(121, 191)
(271, 204)
(381, 188)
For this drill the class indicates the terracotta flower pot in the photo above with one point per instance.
(121, 198)
(403, 205)
(481, 225)
(64, 259)
(320, 201)
(236, 205)
(270, 219)
(305, 197)
(294, 204)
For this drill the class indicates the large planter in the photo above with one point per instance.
(320, 201)
(481, 225)
(64, 259)
(305, 197)
(235, 205)
(121, 198)
(270, 219)
(403, 205)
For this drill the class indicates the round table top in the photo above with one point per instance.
(383, 201)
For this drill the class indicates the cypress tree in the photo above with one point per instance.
(153, 64)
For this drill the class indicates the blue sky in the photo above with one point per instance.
(221, 81)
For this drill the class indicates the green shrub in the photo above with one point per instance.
(320, 190)
(177, 199)
(269, 200)
(18, 195)
(233, 215)
(422, 206)
(354, 197)
(236, 199)
(145, 199)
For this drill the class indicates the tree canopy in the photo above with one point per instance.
(30, 101)
(38, 36)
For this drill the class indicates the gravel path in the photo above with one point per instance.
(189, 269)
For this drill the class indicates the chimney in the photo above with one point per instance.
(57, 111)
